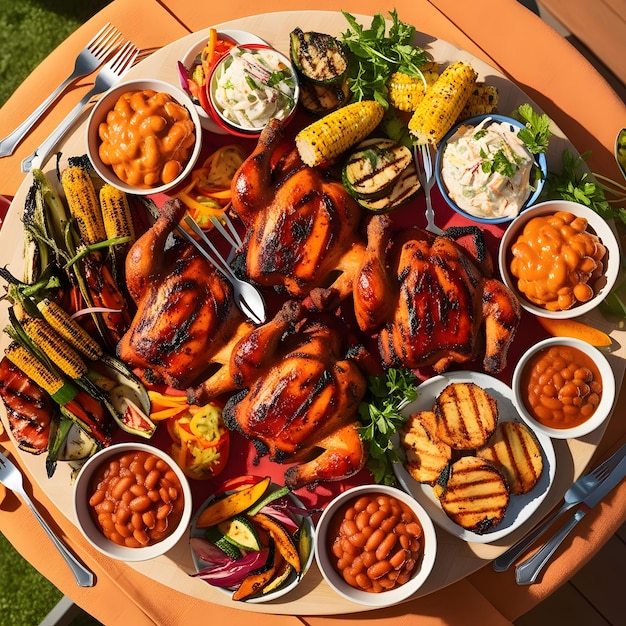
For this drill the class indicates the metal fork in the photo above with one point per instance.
(573, 496)
(89, 59)
(108, 76)
(11, 478)
(426, 175)
(246, 295)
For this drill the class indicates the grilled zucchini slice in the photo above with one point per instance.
(374, 167)
(318, 57)
(399, 194)
(241, 533)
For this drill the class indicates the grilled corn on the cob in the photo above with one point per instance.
(118, 221)
(406, 92)
(58, 351)
(67, 328)
(442, 104)
(83, 204)
(327, 138)
(36, 370)
(482, 100)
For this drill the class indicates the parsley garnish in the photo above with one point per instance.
(577, 184)
(381, 417)
(537, 132)
(375, 54)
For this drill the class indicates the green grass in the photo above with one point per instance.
(26, 597)
(31, 29)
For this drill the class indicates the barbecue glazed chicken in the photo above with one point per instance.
(434, 302)
(299, 395)
(186, 317)
(301, 229)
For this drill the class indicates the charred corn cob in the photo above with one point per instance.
(482, 100)
(442, 104)
(60, 390)
(118, 221)
(62, 355)
(67, 328)
(83, 204)
(327, 138)
(405, 92)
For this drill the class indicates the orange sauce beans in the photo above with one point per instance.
(137, 499)
(563, 386)
(147, 138)
(556, 261)
(376, 542)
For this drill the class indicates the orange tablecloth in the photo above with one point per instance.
(542, 64)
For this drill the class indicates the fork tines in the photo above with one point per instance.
(105, 41)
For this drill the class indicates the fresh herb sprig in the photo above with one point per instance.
(374, 54)
(574, 182)
(537, 133)
(380, 414)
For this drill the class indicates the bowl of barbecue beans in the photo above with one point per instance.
(563, 387)
(144, 136)
(132, 502)
(375, 545)
(560, 258)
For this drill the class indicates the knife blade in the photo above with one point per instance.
(526, 572)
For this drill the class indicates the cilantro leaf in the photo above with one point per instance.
(380, 414)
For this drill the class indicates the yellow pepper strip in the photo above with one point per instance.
(163, 414)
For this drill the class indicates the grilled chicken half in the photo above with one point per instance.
(434, 301)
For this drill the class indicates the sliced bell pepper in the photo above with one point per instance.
(200, 441)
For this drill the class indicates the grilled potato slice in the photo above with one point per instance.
(426, 455)
(476, 495)
(467, 416)
(516, 450)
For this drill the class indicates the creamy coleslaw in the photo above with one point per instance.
(253, 86)
(486, 169)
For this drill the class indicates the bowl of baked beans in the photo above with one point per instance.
(375, 545)
(560, 258)
(564, 388)
(132, 502)
(144, 136)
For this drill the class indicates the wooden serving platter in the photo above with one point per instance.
(456, 558)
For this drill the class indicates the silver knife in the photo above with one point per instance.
(526, 572)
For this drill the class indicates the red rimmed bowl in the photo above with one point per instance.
(251, 85)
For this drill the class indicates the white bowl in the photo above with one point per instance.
(294, 579)
(336, 581)
(189, 59)
(603, 409)
(107, 103)
(596, 224)
(84, 487)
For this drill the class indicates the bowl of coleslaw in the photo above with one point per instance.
(485, 172)
(249, 86)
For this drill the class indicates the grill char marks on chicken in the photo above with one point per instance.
(433, 302)
(185, 316)
(301, 228)
(300, 397)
